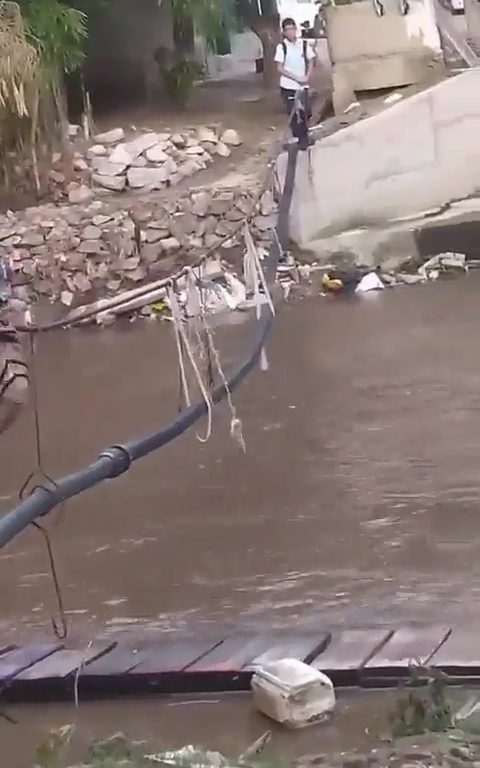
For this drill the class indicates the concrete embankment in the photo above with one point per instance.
(416, 156)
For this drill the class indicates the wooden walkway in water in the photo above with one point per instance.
(200, 663)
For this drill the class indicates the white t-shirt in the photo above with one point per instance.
(293, 62)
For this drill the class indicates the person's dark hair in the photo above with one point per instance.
(288, 23)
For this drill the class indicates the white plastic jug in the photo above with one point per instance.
(293, 693)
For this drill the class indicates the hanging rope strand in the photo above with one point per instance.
(185, 343)
(60, 628)
(176, 321)
(235, 423)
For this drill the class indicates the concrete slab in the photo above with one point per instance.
(418, 154)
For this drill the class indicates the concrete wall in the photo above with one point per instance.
(122, 41)
(383, 51)
(472, 18)
(246, 47)
(414, 156)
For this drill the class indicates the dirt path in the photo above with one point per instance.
(243, 105)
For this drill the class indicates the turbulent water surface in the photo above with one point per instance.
(356, 502)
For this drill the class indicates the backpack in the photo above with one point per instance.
(284, 47)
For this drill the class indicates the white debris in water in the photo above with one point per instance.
(370, 282)
(293, 693)
(393, 98)
(189, 757)
(443, 261)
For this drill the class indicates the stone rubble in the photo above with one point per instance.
(143, 161)
(74, 254)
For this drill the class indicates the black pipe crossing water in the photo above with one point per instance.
(117, 459)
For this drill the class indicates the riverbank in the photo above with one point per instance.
(222, 729)
(76, 254)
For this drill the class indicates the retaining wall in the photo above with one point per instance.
(386, 51)
(416, 155)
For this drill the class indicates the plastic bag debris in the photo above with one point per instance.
(468, 716)
(255, 748)
(189, 757)
(408, 279)
(293, 693)
(453, 261)
(393, 98)
(370, 282)
(224, 293)
(441, 262)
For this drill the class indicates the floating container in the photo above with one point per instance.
(293, 693)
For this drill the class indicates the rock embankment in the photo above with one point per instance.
(144, 161)
(76, 253)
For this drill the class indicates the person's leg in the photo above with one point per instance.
(305, 140)
(288, 98)
(291, 108)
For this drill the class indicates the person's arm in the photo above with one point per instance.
(280, 62)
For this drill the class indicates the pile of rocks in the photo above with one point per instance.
(77, 253)
(148, 160)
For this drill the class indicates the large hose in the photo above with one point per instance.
(117, 459)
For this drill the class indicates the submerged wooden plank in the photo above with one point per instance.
(11, 664)
(175, 654)
(289, 645)
(64, 663)
(460, 653)
(239, 652)
(405, 647)
(120, 660)
(350, 650)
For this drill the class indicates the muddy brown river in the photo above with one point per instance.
(356, 502)
(229, 724)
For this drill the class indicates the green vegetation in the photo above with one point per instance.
(41, 41)
(423, 707)
(423, 732)
(119, 752)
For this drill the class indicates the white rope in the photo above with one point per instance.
(185, 343)
(201, 384)
(256, 266)
(235, 422)
(280, 247)
(253, 251)
(195, 300)
(193, 308)
(250, 277)
(177, 322)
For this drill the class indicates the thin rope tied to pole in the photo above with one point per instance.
(60, 628)
(236, 429)
(179, 325)
(253, 266)
(177, 322)
(198, 305)
(29, 486)
(195, 292)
